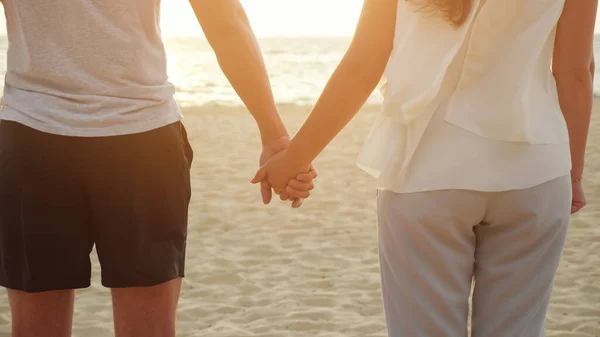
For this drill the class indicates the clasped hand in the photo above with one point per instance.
(287, 177)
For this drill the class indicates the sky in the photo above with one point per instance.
(268, 17)
(275, 17)
(279, 17)
(271, 17)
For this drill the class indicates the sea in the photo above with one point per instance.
(298, 68)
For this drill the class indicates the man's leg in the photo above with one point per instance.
(45, 240)
(41, 314)
(140, 191)
(146, 311)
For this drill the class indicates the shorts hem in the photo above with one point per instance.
(33, 289)
(140, 283)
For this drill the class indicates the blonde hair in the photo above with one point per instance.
(455, 11)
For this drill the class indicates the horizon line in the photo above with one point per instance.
(272, 35)
(261, 36)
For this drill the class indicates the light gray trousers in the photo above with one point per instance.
(433, 244)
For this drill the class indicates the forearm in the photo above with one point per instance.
(346, 92)
(352, 82)
(576, 98)
(240, 58)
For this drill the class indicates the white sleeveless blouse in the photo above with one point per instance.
(473, 107)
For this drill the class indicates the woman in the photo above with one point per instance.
(479, 153)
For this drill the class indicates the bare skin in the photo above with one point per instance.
(146, 311)
(41, 314)
(140, 311)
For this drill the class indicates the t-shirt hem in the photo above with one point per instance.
(108, 131)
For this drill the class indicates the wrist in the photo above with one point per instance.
(576, 176)
(295, 154)
(576, 179)
(271, 127)
(275, 144)
(272, 132)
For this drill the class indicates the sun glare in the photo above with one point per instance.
(275, 17)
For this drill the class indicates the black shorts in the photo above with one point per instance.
(59, 196)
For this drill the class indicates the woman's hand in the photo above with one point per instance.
(578, 197)
(299, 188)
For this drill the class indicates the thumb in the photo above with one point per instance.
(261, 175)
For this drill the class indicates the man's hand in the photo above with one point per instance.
(271, 148)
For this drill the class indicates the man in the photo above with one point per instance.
(92, 151)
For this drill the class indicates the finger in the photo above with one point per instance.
(284, 196)
(266, 192)
(307, 176)
(297, 194)
(297, 203)
(261, 175)
(577, 206)
(300, 185)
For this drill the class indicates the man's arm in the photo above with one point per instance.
(228, 31)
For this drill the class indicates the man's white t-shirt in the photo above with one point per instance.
(87, 68)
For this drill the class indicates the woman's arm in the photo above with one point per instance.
(573, 68)
(352, 83)
(348, 89)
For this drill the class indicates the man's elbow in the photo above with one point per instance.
(220, 32)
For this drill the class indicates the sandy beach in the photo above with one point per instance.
(271, 271)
